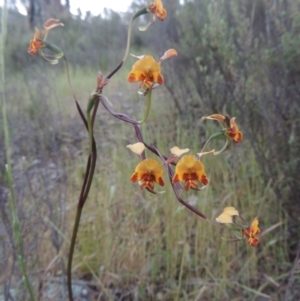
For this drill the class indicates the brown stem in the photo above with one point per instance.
(86, 185)
(115, 70)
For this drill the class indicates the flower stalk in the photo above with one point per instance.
(87, 182)
(148, 106)
(214, 136)
(141, 12)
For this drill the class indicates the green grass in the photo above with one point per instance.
(153, 238)
(129, 237)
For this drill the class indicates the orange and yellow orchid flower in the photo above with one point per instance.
(146, 70)
(158, 9)
(38, 41)
(190, 170)
(148, 171)
(251, 232)
(35, 44)
(231, 129)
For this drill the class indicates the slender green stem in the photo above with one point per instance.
(216, 135)
(12, 203)
(71, 251)
(69, 82)
(75, 229)
(91, 104)
(148, 106)
(88, 117)
(81, 200)
(91, 175)
(222, 149)
(142, 11)
(93, 149)
(136, 15)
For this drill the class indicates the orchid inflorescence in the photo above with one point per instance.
(184, 171)
(228, 217)
(38, 43)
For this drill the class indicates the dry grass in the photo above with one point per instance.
(146, 245)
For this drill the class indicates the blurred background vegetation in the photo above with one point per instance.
(240, 58)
